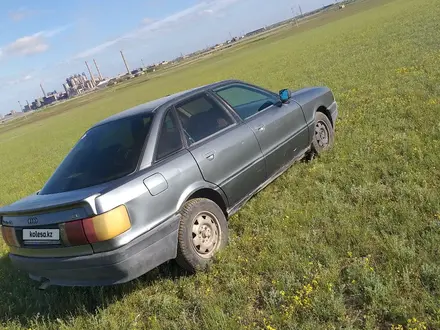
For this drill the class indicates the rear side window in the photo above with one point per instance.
(104, 153)
(169, 138)
(202, 117)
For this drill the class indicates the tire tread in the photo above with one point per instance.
(184, 255)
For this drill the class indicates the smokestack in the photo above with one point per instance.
(42, 89)
(125, 62)
(91, 75)
(97, 69)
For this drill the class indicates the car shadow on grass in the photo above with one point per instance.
(22, 301)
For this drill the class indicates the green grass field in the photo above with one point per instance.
(349, 241)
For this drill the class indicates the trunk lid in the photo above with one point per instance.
(37, 221)
(37, 203)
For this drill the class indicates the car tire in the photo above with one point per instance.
(323, 137)
(203, 231)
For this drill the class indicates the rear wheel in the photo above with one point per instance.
(203, 231)
(323, 137)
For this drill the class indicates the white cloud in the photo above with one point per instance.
(19, 80)
(26, 46)
(23, 13)
(206, 7)
(97, 49)
(32, 44)
(148, 20)
(54, 32)
(20, 14)
(218, 5)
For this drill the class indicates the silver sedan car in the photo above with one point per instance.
(158, 182)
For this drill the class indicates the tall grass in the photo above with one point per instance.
(348, 241)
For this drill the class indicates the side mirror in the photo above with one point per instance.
(285, 95)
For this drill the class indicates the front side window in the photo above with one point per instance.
(246, 101)
(202, 117)
(104, 153)
(169, 139)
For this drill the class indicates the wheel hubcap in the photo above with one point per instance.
(205, 234)
(321, 134)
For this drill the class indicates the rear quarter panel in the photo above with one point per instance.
(311, 99)
(147, 210)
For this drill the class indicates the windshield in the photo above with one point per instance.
(103, 154)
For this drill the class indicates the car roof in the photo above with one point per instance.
(152, 106)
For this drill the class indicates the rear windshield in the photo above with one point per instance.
(104, 153)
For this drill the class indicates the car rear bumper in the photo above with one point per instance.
(107, 268)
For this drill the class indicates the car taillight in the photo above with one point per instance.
(9, 236)
(72, 233)
(97, 229)
(108, 225)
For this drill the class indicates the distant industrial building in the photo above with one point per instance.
(78, 84)
(252, 33)
(37, 103)
(138, 72)
(50, 99)
(11, 115)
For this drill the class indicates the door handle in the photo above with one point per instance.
(210, 156)
(261, 128)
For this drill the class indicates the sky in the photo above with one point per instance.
(47, 41)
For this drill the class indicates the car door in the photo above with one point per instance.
(281, 129)
(227, 152)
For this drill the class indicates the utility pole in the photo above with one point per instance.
(125, 62)
(97, 69)
(42, 89)
(294, 17)
(91, 75)
(143, 65)
(300, 10)
(21, 109)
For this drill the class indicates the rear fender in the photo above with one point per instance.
(198, 186)
(311, 100)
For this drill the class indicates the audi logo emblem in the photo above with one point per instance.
(32, 221)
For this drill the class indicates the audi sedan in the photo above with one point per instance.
(158, 182)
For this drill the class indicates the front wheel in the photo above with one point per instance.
(203, 231)
(324, 135)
